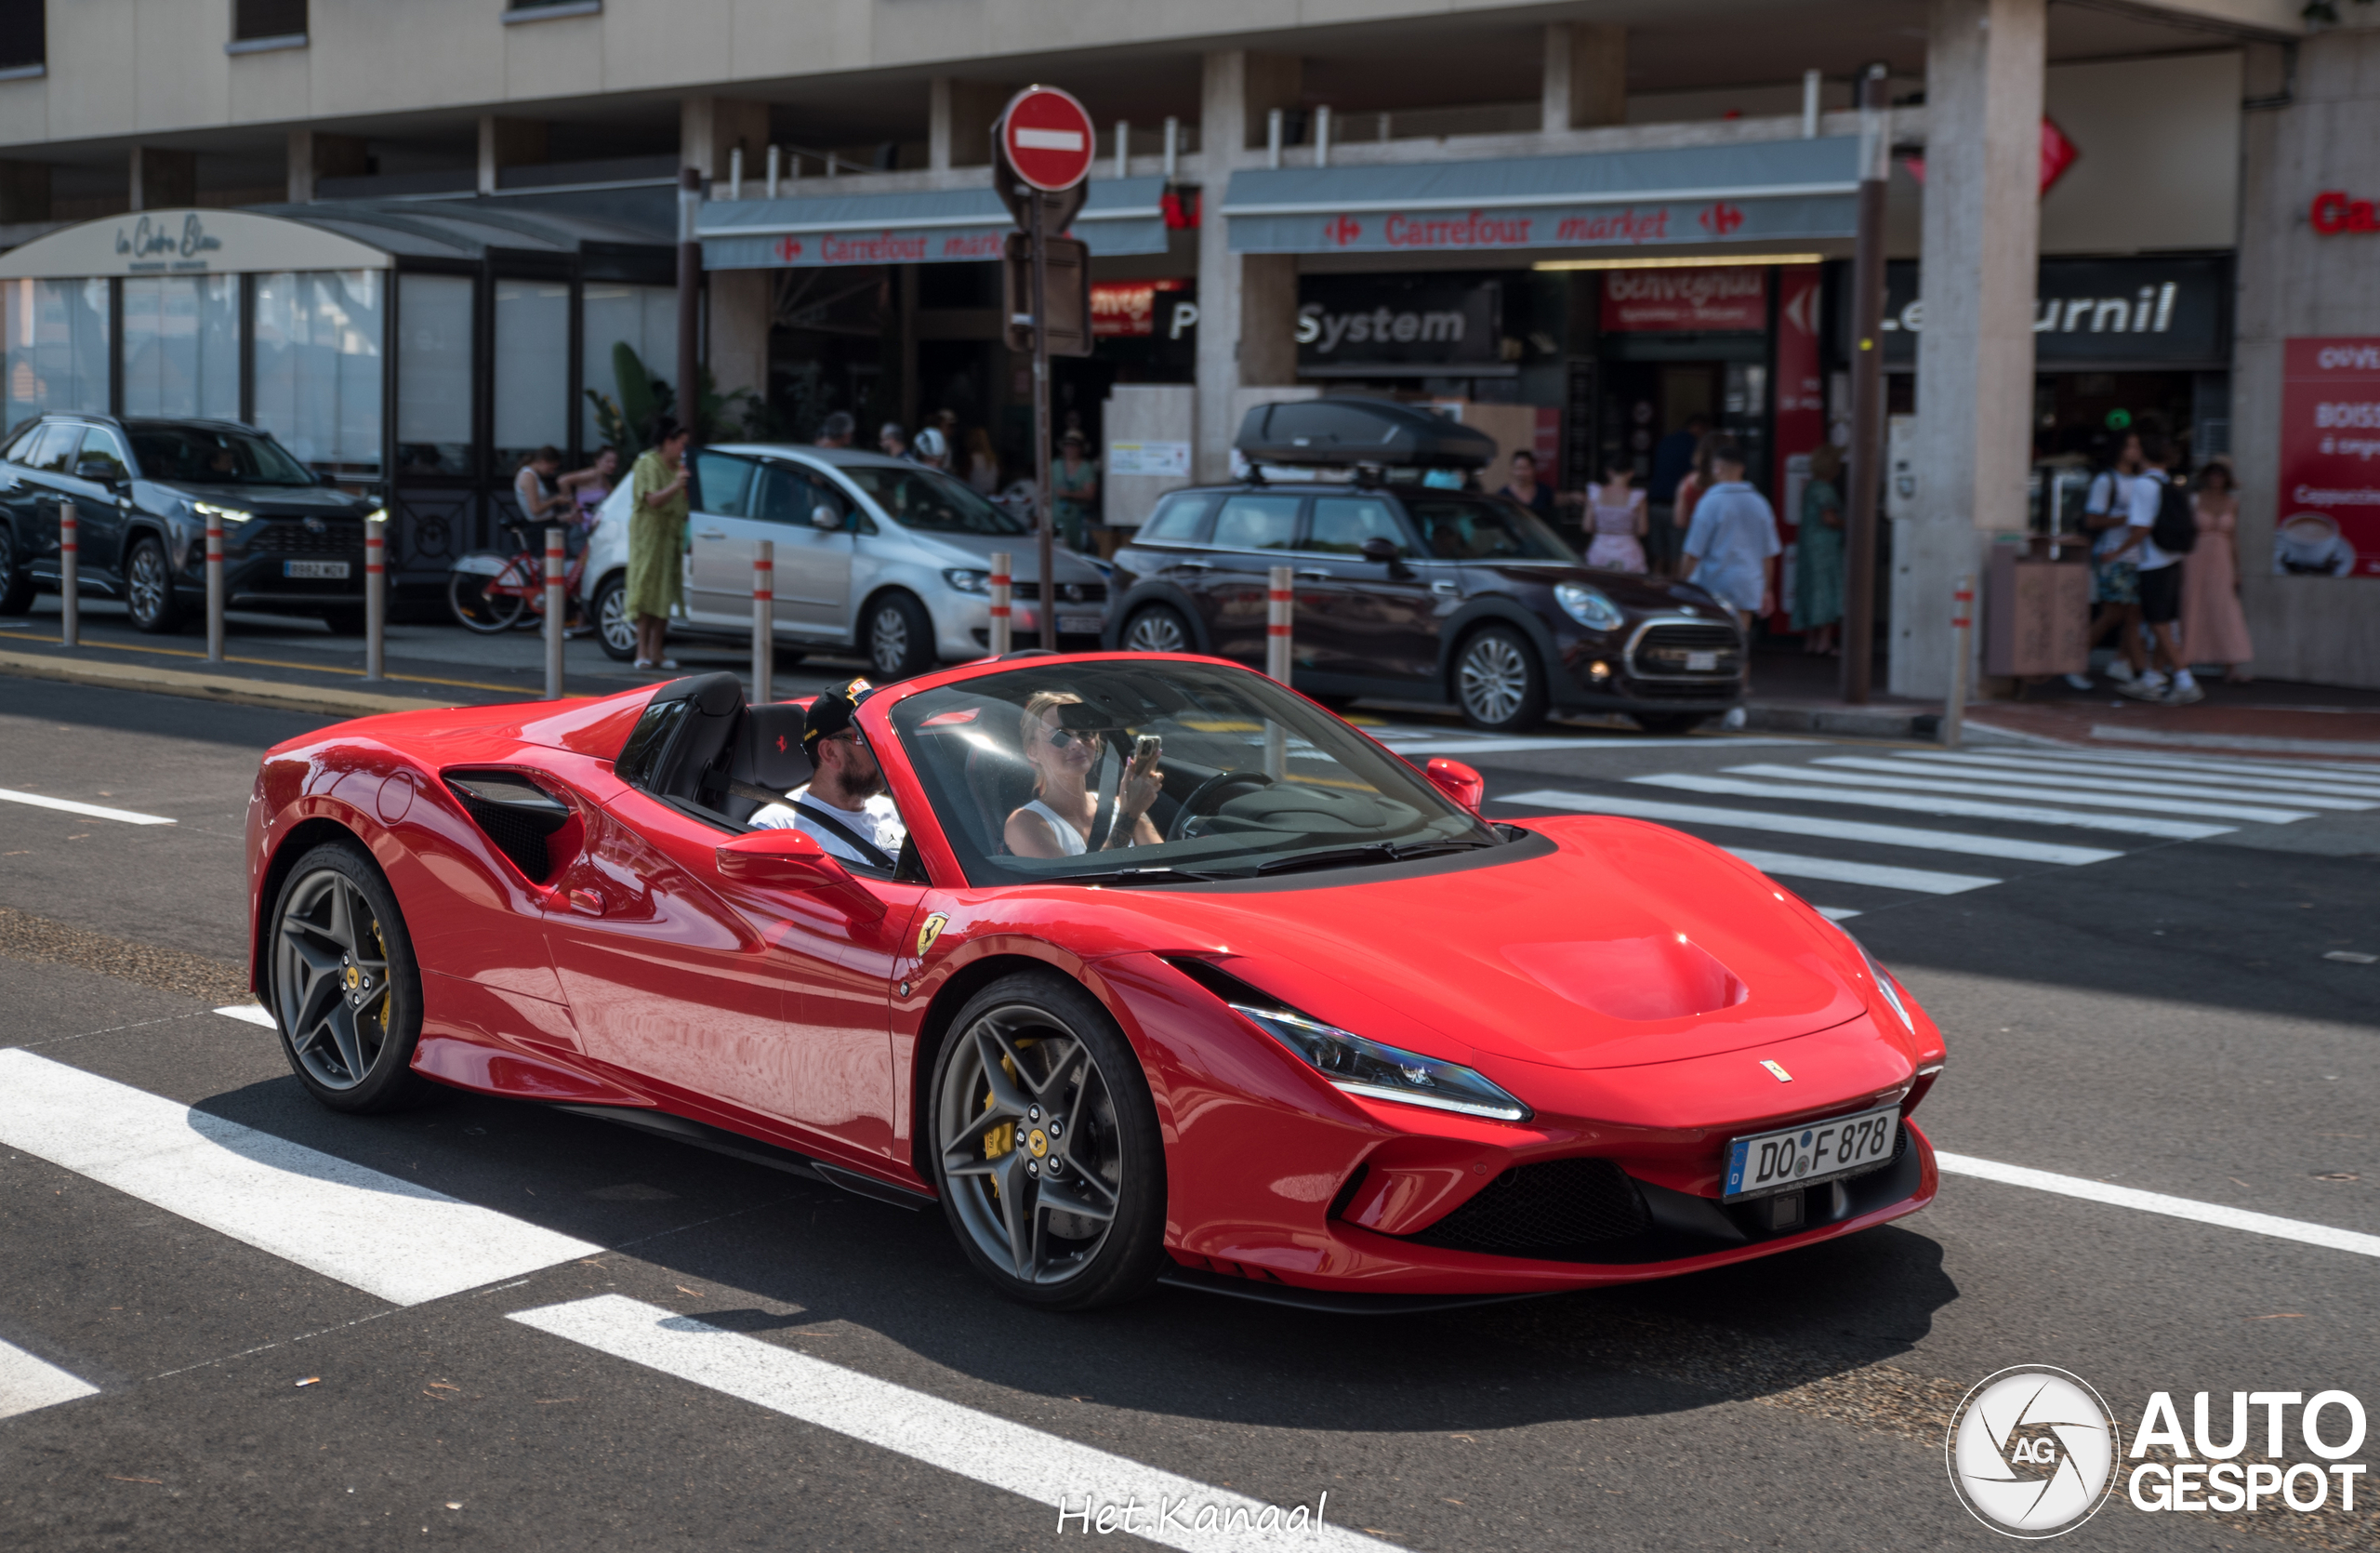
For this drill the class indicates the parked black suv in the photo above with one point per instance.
(1407, 592)
(142, 491)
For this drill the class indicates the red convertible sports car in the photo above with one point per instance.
(1174, 974)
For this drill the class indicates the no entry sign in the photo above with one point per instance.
(1048, 137)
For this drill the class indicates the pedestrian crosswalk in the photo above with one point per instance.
(2018, 801)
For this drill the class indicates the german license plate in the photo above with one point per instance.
(1080, 625)
(335, 570)
(1701, 663)
(1766, 1163)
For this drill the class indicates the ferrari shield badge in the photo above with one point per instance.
(929, 931)
(1777, 1071)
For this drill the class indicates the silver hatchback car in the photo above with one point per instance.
(888, 557)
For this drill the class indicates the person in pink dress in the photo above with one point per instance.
(2215, 629)
(1616, 518)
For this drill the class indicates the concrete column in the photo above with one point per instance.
(1977, 273)
(1247, 304)
(740, 309)
(163, 179)
(709, 127)
(508, 143)
(1586, 75)
(959, 122)
(314, 155)
(25, 191)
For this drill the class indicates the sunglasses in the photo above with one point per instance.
(1059, 739)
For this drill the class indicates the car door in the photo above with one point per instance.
(1365, 617)
(723, 529)
(1255, 530)
(42, 457)
(100, 482)
(814, 558)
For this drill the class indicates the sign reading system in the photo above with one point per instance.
(2327, 523)
(1047, 137)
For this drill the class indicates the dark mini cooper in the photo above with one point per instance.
(1412, 592)
(142, 491)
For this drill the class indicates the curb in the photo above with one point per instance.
(1848, 722)
(211, 687)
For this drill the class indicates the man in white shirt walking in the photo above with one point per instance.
(843, 808)
(2160, 584)
(2115, 586)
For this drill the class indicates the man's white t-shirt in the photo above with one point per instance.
(878, 820)
(2110, 492)
(2148, 492)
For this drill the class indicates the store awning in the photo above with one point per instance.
(1742, 192)
(1121, 216)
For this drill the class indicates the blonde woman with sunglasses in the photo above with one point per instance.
(1063, 814)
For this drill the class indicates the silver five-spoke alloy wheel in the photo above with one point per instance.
(330, 979)
(1030, 1147)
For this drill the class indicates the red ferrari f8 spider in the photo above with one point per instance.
(1175, 975)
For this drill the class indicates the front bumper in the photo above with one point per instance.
(1600, 672)
(254, 581)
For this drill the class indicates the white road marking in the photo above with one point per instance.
(253, 1014)
(387, 1237)
(1437, 743)
(1784, 865)
(1809, 825)
(2010, 785)
(2149, 779)
(1836, 913)
(1918, 803)
(2158, 1202)
(93, 810)
(1044, 1467)
(27, 1383)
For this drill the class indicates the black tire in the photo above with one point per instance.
(149, 593)
(350, 1042)
(16, 575)
(1157, 628)
(898, 637)
(613, 631)
(477, 609)
(1498, 681)
(994, 1145)
(1669, 722)
(347, 619)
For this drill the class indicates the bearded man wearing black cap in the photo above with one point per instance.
(843, 808)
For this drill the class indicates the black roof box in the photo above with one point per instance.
(1341, 433)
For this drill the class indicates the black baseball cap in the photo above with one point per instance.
(830, 714)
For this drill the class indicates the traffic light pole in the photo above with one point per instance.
(1048, 591)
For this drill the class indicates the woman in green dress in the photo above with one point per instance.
(656, 539)
(1817, 554)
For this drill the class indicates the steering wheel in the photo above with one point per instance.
(1208, 796)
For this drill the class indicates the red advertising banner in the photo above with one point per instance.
(2327, 521)
(1127, 309)
(1716, 297)
(1800, 413)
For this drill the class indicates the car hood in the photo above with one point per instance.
(278, 500)
(1630, 591)
(1025, 551)
(1624, 944)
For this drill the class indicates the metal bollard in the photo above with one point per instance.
(1279, 601)
(1001, 588)
(70, 628)
(555, 609)
(376, 595)
(764, 625)
(1954, 706)
(214, 587)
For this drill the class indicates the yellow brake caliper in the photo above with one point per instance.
(1002, 1138)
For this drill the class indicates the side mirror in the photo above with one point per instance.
(825, 517)
(100, 470)
(1379, 548)
(1462, 786)
(794, 861)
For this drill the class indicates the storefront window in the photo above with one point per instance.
(532, 369)
(434, 375)
(644, 318)
(317, 345)
(57, 346)
(181, 346)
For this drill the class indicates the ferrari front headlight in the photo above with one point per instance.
(1378, 1071)
(1885, 985)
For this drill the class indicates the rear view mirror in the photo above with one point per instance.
(825, 517)
(794, 861)
(1457, 782)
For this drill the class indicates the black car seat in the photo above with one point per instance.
(767, 754)
(677, 748)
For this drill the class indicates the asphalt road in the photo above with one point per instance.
(2161, 1017)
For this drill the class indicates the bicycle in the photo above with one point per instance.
(493, 602)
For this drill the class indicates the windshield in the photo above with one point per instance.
(1484, 528)
(214, 456)
(916, 497)
(1248, 780)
